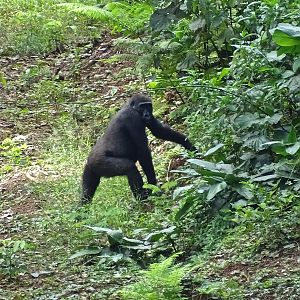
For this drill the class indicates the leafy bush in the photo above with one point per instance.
(13, 152)
(128, 18)
(160, 282)
(37, 27)
(9, 249)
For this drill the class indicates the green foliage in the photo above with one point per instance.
(14, 153)
(160, 282)
(225, 289)
(92, 12)
(232, 69)
(129, 18)
(37, 27)
(9, 251)
(288, 37)
(122, 247)
(53, 92)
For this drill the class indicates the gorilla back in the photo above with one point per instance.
(123, 144)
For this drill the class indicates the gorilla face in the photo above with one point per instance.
(143, 106)
(145, 110)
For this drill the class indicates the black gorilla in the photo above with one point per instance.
(123, 144)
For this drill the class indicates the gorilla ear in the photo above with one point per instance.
(132, 104)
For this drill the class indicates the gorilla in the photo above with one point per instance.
(123, 144)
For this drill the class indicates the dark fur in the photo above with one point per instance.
(123, 144)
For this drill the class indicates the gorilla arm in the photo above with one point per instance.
(144, 157)
(165, 132)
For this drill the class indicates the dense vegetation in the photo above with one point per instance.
(226, 224)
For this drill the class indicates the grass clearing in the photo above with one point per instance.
(55, 227)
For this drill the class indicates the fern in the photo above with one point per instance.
(89, 11)
(129, 18)
(161, 282)
(132, 17)
(142, 54)
(132, 45)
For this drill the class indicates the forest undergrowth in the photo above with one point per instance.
(223, 222)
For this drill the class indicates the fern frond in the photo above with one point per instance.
(117, 6)
(131, 17)
(89, 11)
(145, 62)
(132, 45)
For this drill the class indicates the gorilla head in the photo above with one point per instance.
(143, 105)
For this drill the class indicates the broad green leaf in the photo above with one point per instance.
(293, 149)
(197, 24)
(168, 230)
(288, 74)
(274, 119)
(296, 65)
(181, 190)
(132, 241)
(204, 164)
(161, 19)
(188, 172)
(243, 191)
(286, 35)
(115, 235)
(155, 236)
(287, 174)
(291, 30)
(226, 168)
(294, 84)
(169, 185)
(138, 247)
(219, 168)
(246, 120)
(292, 136)
(224, 72)
(116, 257)
(279, 149)
(153, 84)
(232, 179)
(264, 178)
(215, 175)
(273, 56)
(184, 209)
(18, 245)
(87, 251)
(239, 203)
(152, 187)
(213, 149)
(215, 189)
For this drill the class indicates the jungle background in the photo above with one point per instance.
(224, 221)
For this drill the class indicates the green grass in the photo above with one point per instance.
(57, 231)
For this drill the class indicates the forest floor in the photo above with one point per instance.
(44, 144)
(36, 206)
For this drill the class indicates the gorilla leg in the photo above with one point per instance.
(122, 166)
(109, 167)
(135, 181)
(90, 182)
